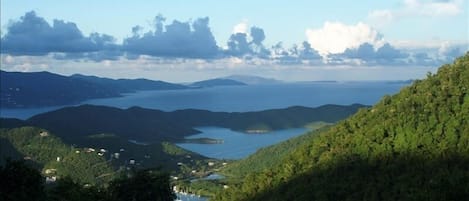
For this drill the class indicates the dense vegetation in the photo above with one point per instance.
(155, 125)
(54, 157)
(22, 182)
(19, 90)
(410, 146)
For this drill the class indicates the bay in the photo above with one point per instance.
(237, 145)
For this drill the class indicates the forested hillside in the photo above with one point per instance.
(410, 146)
(53, 157)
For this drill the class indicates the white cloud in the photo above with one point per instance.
(8, 59)
(106, 63)
(242, 27)
(335, 37)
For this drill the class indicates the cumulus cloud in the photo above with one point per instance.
(241, 44)
(178, 39)
(336, 37)
(238, 44)
(257, 35)
(308, 53)
(241, 27)
(368, 54)
(447, 52)
(303, 54)
(32, 35)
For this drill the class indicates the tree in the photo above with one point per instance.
(19, 182)
(144, 185)
(66, 189)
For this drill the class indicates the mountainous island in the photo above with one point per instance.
(40, 89)
(149, 125)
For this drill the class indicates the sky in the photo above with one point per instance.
(183, 41)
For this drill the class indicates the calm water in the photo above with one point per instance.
(242, 98)
(237, 145)
(183, 197)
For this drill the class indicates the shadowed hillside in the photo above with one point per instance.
(154, 125)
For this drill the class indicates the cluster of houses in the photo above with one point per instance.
(102, 152)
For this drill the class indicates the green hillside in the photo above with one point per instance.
(54, 157)
(410, 146)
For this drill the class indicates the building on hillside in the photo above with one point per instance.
(43, 134)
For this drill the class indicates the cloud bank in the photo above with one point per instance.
(334, 43)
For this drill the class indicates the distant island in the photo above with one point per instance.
(253, 80)
(217, 82)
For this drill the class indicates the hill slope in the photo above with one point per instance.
(53, 157)
(411, 146)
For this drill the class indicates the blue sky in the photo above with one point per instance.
(345, 40)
